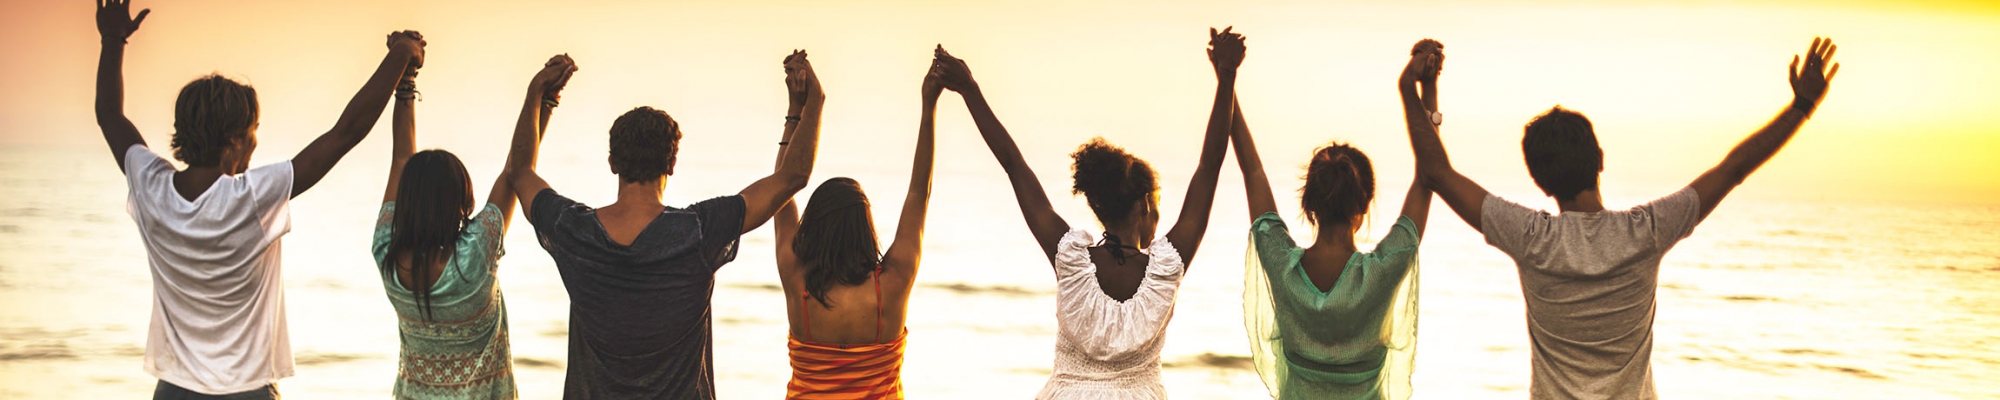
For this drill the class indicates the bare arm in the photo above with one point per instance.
(403, 131)
(114, 25)
(1226, 53)
(763, 198)
(785, 224)
(1043, 222)
(312, 163)
(1434, 170)
(906, 252)
(518, 181)
(1809, 86)
(1256, 185)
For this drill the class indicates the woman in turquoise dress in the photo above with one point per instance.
(1330, 321)
(438, 258)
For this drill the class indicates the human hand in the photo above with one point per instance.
(933, 81)
(410, 43)
(554, 75)
(1810, 82)
(115, 22)
(1225, 50)
(800, 80)
(952, 72)
(1426, 62)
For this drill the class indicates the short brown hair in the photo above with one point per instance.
(642, 144)
(1562, 153)
(210, 113)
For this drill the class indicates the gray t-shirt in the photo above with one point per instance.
(1589, 280)
(639, 314)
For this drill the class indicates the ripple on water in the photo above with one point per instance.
(531, 362)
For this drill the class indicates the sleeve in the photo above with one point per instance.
(271, 187)
(721, 221)
(140, 167)
(384, 231)
(1673, 217)
(480, 245)
(1272, 241)
(548, 208)
(1509, 227)
(1402, 241)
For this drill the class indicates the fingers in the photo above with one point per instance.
(1830, 48)
(1830, 74)
(1794, 69)
(141, 18)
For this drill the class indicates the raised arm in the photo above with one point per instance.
(1434, 170)
(406, 51)
(1256, 185)
(518, 180)
(114, 25)
(906, 252)
(403, 132)
(1226, 53)
(785, 224)
(763, 198)
(1809, 85)
(1043, 222)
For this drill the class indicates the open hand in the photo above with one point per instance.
(115, 22)
(411, 43)
(952, 72)
(1809, 83)
(554, 75)
(1225, 50)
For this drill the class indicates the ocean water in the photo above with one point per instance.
(1767, 299)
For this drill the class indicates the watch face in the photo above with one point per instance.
(1437, 118)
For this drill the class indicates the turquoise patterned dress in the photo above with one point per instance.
(461, 351)
(1356, 341)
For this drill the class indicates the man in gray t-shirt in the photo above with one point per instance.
(1589, 275)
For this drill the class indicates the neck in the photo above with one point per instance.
(1335, 236)
(647, 193)
(1588, 201)
(1128, 234)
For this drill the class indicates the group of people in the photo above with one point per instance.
(1326, 320)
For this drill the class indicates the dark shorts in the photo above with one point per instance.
(167, 391)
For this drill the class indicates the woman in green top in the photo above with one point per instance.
(1330, 321)
(438, 257)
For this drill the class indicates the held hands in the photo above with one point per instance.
(554, 75)
(1809, 83)
(800, 80)
(1426, 61)
(114, 20)
(933, 82)
(409, 43)
(1225, 50)
(952, 72)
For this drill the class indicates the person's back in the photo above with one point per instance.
(1589, 279)
(640, 274)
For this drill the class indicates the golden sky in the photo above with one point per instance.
(1670, 86)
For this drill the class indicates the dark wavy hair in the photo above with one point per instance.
(433, 208)
(642, 144)
(210, 113)
(1340, 183)
(1562, 153)
(836, 239)
(1111, 180)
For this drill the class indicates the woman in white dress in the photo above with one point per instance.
(1114, 298)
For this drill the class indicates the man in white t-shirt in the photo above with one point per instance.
(1590, 275)
(212, 231)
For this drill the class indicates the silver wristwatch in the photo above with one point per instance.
(1437, 118)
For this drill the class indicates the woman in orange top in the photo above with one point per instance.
(845, 298)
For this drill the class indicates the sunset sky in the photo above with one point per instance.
(1913, 116)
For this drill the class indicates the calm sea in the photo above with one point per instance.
(1767, 300)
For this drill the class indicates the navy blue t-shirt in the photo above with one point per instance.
(639, 314)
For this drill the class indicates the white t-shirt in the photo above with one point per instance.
(218, 297)
(1589, 279)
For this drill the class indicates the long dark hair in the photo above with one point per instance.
(433, 207)
(1339, 184)
(836, 238)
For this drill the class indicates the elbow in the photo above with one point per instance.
(795, 181)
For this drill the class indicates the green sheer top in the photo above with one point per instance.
(460, 351)
(1356, 341)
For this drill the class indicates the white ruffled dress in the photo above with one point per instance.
(1105, 348)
